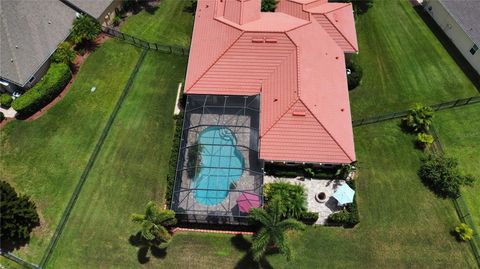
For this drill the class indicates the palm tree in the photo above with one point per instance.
(272, 233)
(153, 223)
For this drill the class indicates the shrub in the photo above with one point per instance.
(172, 166)
(419, 119)
(116, 20)
(463, 232)
(355, 76)
(64, 54)
(339, 218)
(18, 215)
(424, 140)
(309, 217)
(442, 176)
(2, 117)
(85, 29)
(269, 5)
(44, 91)
(5, 100)
(292, 198)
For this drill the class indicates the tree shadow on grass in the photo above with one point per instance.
(241, 244)
(145, 248)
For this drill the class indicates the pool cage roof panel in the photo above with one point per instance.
(218, 158)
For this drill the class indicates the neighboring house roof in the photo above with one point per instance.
(467, 14)
(94, 8)
(296, 65)
(29, 34)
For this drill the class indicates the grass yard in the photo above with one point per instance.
(459, 133)
(403, 224)
(45, 158)
(170, 23)
(130, 171)
(403, 63)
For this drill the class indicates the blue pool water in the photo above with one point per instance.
(221, 164)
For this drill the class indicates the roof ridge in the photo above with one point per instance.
(214, 62)
(326, 130)
(340, 32)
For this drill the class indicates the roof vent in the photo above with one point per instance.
(270, 40)
(258, 40)
(299, 112)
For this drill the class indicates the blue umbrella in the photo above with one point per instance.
(344, 194)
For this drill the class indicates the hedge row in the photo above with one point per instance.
(5, 100)
(44, 91)
(172, 168)
(302, 171)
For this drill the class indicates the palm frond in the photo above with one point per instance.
(260, 215)
(137, 218)
(260, 243)
(291, 224)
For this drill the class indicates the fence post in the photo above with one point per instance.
(456, 102)
(156, 46)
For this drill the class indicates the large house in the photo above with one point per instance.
(271, 84)
(460, 22)
(30, 31)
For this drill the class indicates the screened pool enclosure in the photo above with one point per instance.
(219, 175)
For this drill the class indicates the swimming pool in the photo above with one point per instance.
(221, 164)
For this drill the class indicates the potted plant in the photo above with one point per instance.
(321, 197)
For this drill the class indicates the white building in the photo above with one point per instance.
(460, 20)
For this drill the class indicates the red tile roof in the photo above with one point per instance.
(294, 59)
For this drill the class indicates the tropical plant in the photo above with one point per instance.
(64, 54)
(85, 29)
(154, 222)
(360, 6)
(292, 198)
(271, 235)
(419, 119)
(442, 176)
(5, 100)
(269, 5)
(18, 216)
(309, 171)
(463, 232)
(424, 140)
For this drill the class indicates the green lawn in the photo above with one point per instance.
(130, 171)
(403, 224)
(45, 158)
(403, 63)
(168, 24)
(459, 133)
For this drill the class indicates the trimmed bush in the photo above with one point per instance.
(442, 176)
(424, 140)
(2, 117)
(303, 171)
(463, 232)
(348, 217)
(5, 100)
(355, 76)
(64, 54)
(44, 91)
(309, 217)
(172, 167)
(292, 198)
(339, 218)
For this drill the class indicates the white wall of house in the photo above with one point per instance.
(451, 28)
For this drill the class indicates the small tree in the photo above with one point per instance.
(269, 5)
(424, 140)
(18, 217)
(154, 222)
(85, 29)
(64, 54)
(464, 232)
(442, 176)
(419, 119)
(5, 100)
(272, 232)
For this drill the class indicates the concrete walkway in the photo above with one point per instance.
(312, 188)
(9, 113)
